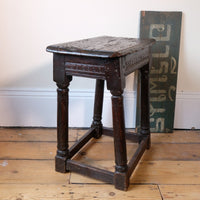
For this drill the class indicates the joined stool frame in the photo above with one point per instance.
(108, 59)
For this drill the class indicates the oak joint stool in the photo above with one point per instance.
(108, 59)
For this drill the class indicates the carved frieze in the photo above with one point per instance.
(84, 69)
(134, 61)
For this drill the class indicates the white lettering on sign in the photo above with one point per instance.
(163, 78)
(156, 110)
(160, 28)
(164, 66)
(162, 93)
(160, 124)
(160, 98)
(172, 88)
(173, 65)
(158, 91)
(161, 33)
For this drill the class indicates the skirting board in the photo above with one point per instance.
(37, 108)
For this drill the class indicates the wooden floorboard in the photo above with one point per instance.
(169, 151)
(153, 172)
(81, 192)
(169, 170)
(99, 151)
(180, 192)
(30, 171)
(33, 134)
(180, 136)
(28, 150)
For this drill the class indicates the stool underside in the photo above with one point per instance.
(101, 174)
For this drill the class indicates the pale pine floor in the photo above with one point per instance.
(169, 171)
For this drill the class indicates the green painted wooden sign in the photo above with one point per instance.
(165, 28)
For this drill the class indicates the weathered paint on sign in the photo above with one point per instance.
(165, 28)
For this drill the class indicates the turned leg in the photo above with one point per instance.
(62, 126)
(145, 122)
(98, 105)
(121, 179)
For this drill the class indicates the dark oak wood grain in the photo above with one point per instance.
(81, 142)
(62, 126)
(108, 59)
(134, 137)
(103, 46)
(136, 157)
(90, 171)
(98, 106)
(144, 118)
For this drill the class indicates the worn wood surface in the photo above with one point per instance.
(75, 192)
(153, 172)
(181, 136)
(157, 152)
(103, 46)
(168, 173)
(35, 134)
(165, 28)
(46, 150)
(30, 171)
(180, 192)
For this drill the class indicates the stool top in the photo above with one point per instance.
(104, 46)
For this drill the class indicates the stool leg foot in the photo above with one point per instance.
(121, 181)
(62, 126)
(98, 106)
(149, 143)
(60, 164)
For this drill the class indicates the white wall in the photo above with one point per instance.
(28, 26)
